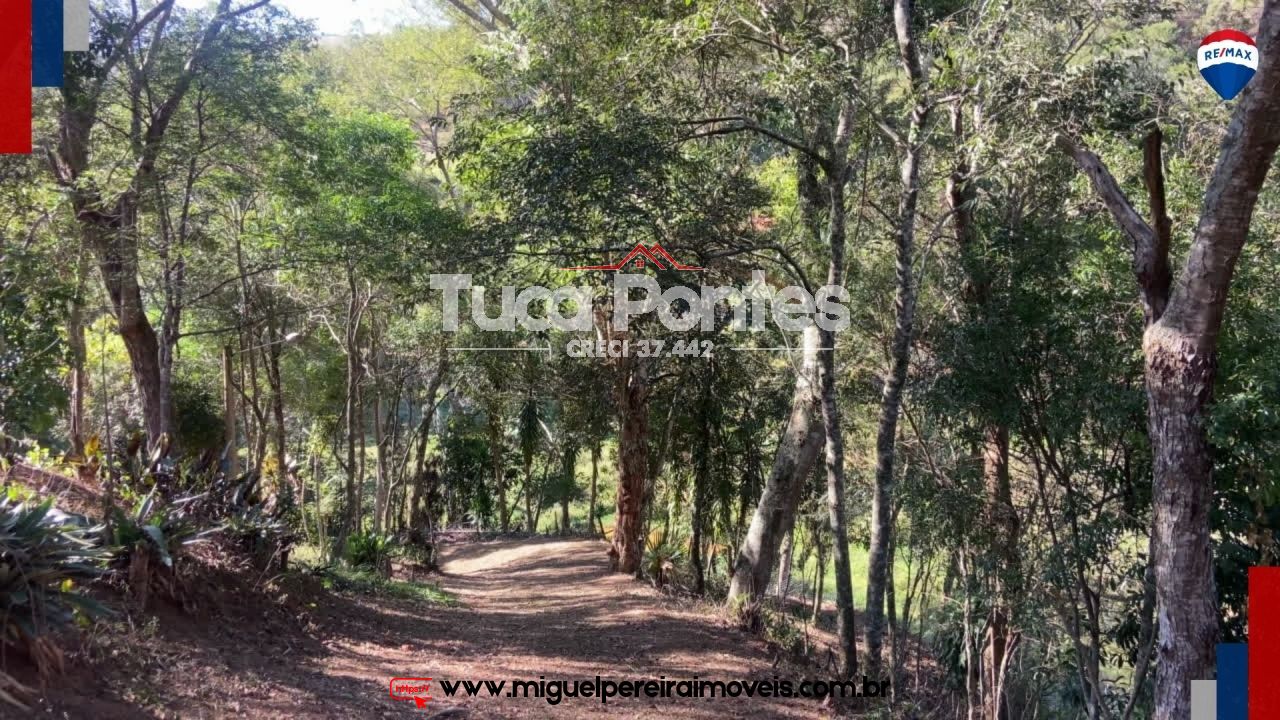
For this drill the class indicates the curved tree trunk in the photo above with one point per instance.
(891, 405)
(117, 255)
(899, 350)
(845, 624)
(793, 461)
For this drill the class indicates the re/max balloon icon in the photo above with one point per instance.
(1227, 60)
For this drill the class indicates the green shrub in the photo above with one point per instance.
(661, 557)
(372, 552)
(44, 560)
(147, 543)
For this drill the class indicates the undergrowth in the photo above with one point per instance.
(368, 582)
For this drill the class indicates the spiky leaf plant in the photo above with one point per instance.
(46, 557)
(147, 543)
(373, 552)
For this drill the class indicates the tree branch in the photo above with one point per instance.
(164, 115)
(495, 12)
(1150, 254)
(1154, 274)
(745, 124)
(486, 24)
(1199, 299)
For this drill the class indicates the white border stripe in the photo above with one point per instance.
(1204, 700)
(1223, 45)
(75, 25)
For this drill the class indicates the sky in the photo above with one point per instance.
(335, 17)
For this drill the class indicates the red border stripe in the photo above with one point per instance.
(15, 77)
(1264, 643)
(1228, 34)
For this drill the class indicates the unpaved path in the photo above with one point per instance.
(527, 608)
(537, 607)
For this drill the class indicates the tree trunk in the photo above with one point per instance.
(900, 348)
(530, 523)
(1002, 521)
(117, 255)
(381, 480)
(230, 439)
(79, 375)
(352, 409)
(569, 485)
(891, 402)
(1180, 348)
(271, 354)
(891, 607)
(417, 513)
(362, 456)
(1179, 386)
(818, 580)
(595, 478)
(499, 469)
(845, 628)
(783, 585)
(793, 461)
(633, 463)
(702, 458)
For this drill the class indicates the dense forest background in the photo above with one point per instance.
(218, 265)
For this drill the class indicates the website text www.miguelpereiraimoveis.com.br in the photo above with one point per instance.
(602, 689)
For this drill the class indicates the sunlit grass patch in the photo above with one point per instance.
(368, 582)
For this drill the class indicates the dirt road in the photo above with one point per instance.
(526, 609)
(545, 608)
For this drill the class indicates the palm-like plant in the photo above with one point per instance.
(370, 551)
(44, 560)
(660, 558)
(147, 542)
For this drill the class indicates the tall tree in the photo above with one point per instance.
(109, 216)
(911, 144)
(1180, 348)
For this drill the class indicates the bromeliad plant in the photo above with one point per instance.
(370, 551)
(148, 542)
(45, 559)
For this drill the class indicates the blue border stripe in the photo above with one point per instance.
(1233, 681)
(46, 43)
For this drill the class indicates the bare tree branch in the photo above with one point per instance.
(1150, 251)
(1154, 274)
(739, 123)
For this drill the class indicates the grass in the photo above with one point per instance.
(366, 582)
(859, 562)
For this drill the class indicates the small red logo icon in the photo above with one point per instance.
(642, 256)
(416, 689)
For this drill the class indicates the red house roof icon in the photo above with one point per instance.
(640, 257)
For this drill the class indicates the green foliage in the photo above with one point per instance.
(45, 563)
(32, 311)
(368, 582)
(467, 468)
(368, 551)
(198, 417)
(162, 532)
